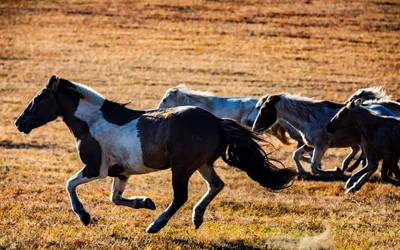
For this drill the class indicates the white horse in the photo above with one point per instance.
(241, 109)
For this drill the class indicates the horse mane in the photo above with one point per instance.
(381, 102)
(370, 93)
(186, 95)
(364, 109)
(84, 91)
(304, 104)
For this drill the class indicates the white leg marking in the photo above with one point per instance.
(215, 185)
(118, 188)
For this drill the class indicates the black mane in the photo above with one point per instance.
(117, 113)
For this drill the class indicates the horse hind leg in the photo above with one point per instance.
(180, 181)
(215, 185)
(372, 165)
(390, 164)
(118, 187)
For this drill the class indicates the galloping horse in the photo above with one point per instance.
(379, 140)
(242, 109)
(309, 117)
(375, 94)
(115, 141)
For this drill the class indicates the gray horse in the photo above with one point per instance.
(371, 93)
(309, 117)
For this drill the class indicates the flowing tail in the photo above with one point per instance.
(240, 149)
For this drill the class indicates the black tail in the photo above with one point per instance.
(242, 151)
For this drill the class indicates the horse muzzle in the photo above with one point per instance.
(258, 128)
(23, 126)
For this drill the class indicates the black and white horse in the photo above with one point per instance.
(115, 141)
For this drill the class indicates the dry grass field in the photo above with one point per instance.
(134, 51)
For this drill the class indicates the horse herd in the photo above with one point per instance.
(191, 129)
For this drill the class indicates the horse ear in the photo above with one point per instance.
(261, 101)
(354, 103)
(273, 99)
(358, 102)
(52, 83)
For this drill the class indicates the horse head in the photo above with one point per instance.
(253, 114)
(267, 115)
(372, 93)
(169, 99)
(343, 118)
(42, 109)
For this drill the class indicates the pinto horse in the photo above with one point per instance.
(115, 141)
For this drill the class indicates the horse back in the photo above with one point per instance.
(178, 135)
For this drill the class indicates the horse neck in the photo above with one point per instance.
(304, 113)
(294, 116)
(393, 107)
(206, 102)
(366, 123)
(78, 114)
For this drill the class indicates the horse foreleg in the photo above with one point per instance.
(361, 159)
(360, 182)
(77, 206)
(215, 185)
(180, 186)
(296, 158)
(350, 157)
(118, 187)
(372, 165)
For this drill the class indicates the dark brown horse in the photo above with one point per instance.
(113, 140)
(379, 137)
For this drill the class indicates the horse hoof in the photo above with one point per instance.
(85, 219)
(339, 170)
(149, 204)
(303, 176)
(352, 189)
(197, 222)
(152, 229)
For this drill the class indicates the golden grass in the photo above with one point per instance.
(135, 51)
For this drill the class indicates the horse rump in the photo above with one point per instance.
(241, 150)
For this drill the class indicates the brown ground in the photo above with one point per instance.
(135, 51)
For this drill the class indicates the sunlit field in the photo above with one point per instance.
(134, 51)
